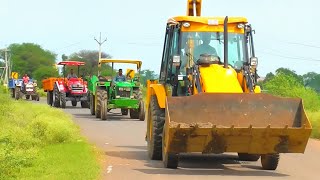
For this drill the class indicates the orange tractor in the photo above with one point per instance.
(61, 90)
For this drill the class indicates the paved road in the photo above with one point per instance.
(122, 140)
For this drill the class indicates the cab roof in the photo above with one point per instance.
(137, 62)
(205, 20)
(71, 63)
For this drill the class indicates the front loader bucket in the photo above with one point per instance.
(243, 123)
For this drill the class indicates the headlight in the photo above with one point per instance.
(128, 89)
(120, 89)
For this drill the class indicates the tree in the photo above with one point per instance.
(147, 74)
(32, 59)
(287, 85)
(287, 71)
(91, 57)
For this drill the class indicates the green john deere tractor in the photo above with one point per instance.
(106, 94)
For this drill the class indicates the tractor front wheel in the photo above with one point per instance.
(92, 105)
(49, 98)
(27, 97)
(74, 103)
(124, 112)
(63, 100)
(17, 93)
(84, 104)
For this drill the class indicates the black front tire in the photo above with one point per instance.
(92, 105)
(124, 112)
(84, 104)
(63, 100)
(156, 122)
(74, 103)
(27, 97)
(49, 98)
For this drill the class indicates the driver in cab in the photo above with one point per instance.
(72, 75)
(120, 77)
(204, 48)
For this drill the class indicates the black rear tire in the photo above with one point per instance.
(56, 96)
(156, 119)
(104, 105)
(270, 161)
(248, 157)
(98, 108)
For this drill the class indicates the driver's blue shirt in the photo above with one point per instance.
(120, 78)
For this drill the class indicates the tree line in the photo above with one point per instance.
(38, 63)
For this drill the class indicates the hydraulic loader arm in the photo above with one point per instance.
(194, 8)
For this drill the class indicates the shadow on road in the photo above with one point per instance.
(194, 164)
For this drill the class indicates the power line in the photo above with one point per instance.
(290, 57)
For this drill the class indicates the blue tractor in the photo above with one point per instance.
(18, 89)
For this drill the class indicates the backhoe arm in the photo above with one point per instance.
(194, 8)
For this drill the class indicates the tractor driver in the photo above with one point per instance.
(120, 76)
(25, 80)
(71, 74)
(204, 48)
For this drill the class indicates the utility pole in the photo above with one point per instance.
(6, 67)
(100, 44)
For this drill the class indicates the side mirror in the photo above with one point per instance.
(254, 61)
(176, 61)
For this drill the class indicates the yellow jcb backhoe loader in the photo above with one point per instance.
(206, 99)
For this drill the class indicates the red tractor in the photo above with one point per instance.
(69, 88)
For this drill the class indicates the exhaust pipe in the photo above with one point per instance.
(225, 39)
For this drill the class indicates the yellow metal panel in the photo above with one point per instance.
(204, 20)
(198, 27)
(137, 62)
(215, 78)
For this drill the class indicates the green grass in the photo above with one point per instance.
(41, 142)
(63, 161)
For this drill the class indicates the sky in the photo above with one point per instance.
(286, 30)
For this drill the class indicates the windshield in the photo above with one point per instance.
(196, 43)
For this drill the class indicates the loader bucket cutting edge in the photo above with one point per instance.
(243, 123)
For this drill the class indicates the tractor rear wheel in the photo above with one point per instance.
(74, 103)
(156, 118)
(270, 161)
(49, 98)
(17, 93)
(104, 105)
(248, 157)
(98, 105)
(124, 112)
(63, 100)
(13, 93)
(56, 96)
(92, 105)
